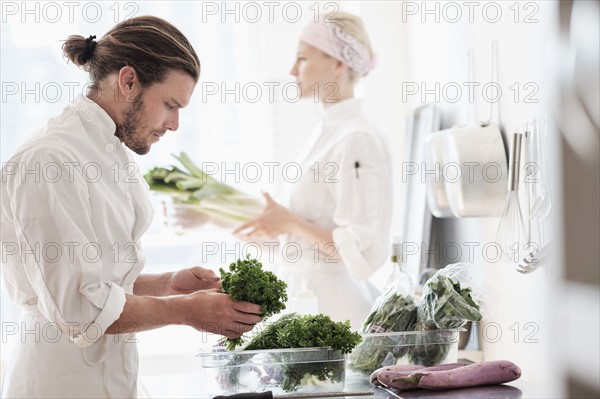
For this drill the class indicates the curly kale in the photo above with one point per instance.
(247, 281)
(309, 331)
(314, 331)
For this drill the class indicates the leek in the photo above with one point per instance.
(206, 194)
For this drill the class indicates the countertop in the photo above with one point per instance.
(514, 390)
(189, 385)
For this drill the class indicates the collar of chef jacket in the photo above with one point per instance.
(340, 111)
(110, 146)
(104, 124)
(332, 118)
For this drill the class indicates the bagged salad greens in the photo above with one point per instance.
(445, 305)
(394, 311)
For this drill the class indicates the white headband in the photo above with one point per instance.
(335, 42)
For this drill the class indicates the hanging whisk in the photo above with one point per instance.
(512, 230)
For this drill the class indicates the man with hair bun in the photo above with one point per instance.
(82, 307)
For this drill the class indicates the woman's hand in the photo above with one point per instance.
(275, 220)
(190, 280)
(181, 217)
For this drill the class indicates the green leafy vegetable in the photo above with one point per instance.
(309, 331)
(247, 281)
(211, 197)
(392, 313)
(444, 305)
(306, 331)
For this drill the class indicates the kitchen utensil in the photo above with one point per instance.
(540, 210)
(535, 259)
(477, 155)
(535, 176)
(269, 395)
(544, 211)
(320, 369)
(435, 150)
(511, 229)
(531, 261)
(528, 164)
(435, 160)
(542, 204)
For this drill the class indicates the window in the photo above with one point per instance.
(244, 109)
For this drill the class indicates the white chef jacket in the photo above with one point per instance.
(346, 186)
(74, 208)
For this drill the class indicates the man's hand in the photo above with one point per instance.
(215, 312)
(190, 280)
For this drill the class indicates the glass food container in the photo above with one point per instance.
(277, 370)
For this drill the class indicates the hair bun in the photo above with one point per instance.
(89, 49)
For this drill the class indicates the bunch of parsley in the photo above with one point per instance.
(306, 331)
(309, 331)
(247, 281)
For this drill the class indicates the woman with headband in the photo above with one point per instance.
(339, 216)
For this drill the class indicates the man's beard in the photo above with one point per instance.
(131, 131)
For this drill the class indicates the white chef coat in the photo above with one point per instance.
(346, 186)
(74, 208)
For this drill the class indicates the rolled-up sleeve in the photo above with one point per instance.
(58, 247)
(363, 197)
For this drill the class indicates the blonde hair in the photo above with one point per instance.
(354, 26)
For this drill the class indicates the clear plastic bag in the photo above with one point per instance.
(447, 303)
(394, 311)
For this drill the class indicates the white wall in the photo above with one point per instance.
(389, 40)
(417, 48)
(413, 47)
